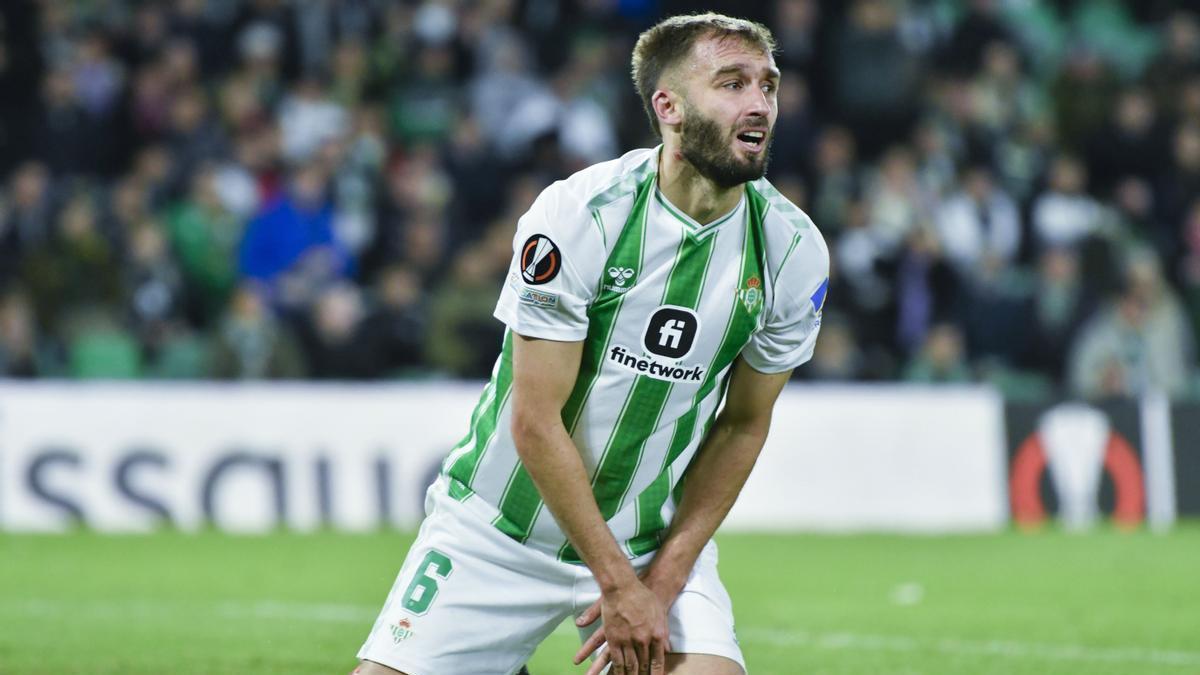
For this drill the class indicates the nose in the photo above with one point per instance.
(759, 103)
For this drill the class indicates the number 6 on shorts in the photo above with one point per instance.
(424, 587)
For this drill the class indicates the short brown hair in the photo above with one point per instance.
(667, 42)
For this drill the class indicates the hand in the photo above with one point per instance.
(635, 627)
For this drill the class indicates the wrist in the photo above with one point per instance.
(615, 578)
(666, 581)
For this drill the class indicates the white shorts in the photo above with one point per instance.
(471, 601)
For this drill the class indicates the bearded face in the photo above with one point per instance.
(712, 150)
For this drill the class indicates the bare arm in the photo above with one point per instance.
(714, 480)
(717, 474)
(544, 374)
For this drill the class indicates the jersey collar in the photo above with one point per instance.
(689, 223)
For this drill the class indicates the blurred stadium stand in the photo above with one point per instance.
(262, 189)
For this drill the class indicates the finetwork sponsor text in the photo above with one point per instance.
(623, 357)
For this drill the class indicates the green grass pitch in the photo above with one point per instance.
(1043, 603)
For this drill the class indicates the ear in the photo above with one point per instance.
(667, 108)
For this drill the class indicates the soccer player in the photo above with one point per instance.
(643, 292)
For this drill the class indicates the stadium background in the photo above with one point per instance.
(207, 191)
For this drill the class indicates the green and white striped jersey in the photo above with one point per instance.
(664, 305)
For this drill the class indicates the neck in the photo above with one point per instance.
(690, 192)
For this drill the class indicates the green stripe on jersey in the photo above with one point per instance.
(521, 502)
(737, 333)
(643, 409)
(464, 460)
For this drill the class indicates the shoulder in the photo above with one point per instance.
(605, 182)
(797, 256)
(589, 202)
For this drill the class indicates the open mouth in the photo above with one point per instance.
(753, 140)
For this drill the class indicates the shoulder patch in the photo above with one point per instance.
(530, 296)
(540, 260)
(818, 298)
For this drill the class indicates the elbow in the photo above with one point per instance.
(528, 430)
(757, 427)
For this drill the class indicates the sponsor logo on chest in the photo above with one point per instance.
(669, 337)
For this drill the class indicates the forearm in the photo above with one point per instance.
(556, 467)
(714, 480)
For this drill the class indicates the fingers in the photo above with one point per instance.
(601, 661)
(589, 615)
(642, 652)
(590, 645)
(658, 657)
(631, 660)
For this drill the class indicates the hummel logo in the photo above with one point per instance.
(620, 275)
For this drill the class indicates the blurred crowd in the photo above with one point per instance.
(328, 189)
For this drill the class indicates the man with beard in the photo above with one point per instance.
(643, 292)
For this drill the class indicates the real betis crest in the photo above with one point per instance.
(751, 295)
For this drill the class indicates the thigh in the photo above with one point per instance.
(702, 664)
(467, 600)
(700, 621)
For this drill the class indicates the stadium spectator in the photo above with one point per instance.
(1065, 214)
(1188, 271)
(424, 106)
(1054, 312)
(1179, 59)
(460, 315)
(980, 226)
(1083, 93)
(975, 32)
(874, 75)
(927, 289)
(1181, 183)
(20, 348)
(394, 331)
(25, 225)
(64, 133)
(153, 284)
(791, 152)
(942, 359)
(837, 357)
(1133, 143)
(251, 344)
(834, 179)
(308, 118)
(952, 155)
(1140, 342)
(331, 336)
(76, 269)
(204, 236)
(896, 203)
(291, 245)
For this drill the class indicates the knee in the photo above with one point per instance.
(372, 668)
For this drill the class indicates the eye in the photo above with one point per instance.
(733, 84)
(769, 87)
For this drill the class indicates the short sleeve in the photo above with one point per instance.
(544, 294)
(789, 334)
